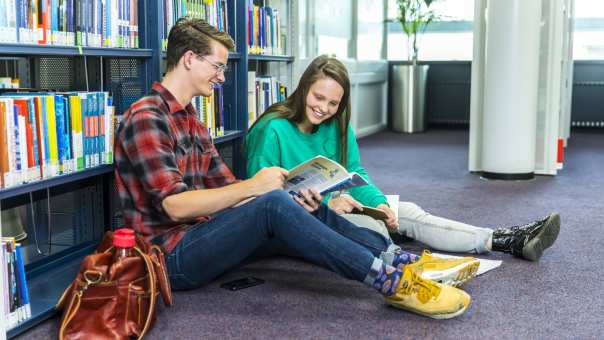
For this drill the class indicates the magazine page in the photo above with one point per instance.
(320, 173)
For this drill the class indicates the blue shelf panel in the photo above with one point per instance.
(228, 136)
(264, 57)
(46, 288)
(54, 181)
(51, 50)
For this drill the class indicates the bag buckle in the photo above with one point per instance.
(93, 277)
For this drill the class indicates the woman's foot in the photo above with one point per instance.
(528, 241)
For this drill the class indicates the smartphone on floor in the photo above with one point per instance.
(245, 282)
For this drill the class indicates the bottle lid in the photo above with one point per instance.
(124, 238)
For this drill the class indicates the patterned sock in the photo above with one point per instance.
(387, 279)
(401, 258)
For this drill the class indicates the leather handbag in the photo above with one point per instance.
(115, 298)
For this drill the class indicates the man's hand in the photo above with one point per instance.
(391, 222)
(268, 179)
(344, 204)
(311, 200)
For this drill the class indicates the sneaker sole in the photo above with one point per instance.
(533, 250)
(436, 316)
(455, 276)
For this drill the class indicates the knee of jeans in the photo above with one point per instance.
(276, 196)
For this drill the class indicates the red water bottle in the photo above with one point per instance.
(123, 241)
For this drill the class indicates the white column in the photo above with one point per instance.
(511, 88)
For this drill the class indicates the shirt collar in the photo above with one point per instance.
(173, 105)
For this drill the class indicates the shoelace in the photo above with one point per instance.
(424, 289)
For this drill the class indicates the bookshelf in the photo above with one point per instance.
(270, 46)
(67, 215)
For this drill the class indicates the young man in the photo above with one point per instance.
(176, 191)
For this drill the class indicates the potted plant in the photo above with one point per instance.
(409, 80)
(414, 17)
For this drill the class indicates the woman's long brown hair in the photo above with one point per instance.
(293, 108)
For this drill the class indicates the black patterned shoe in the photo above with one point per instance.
(527, 241)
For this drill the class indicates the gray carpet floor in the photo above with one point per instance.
(560, 297)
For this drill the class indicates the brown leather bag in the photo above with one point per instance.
(112, 299)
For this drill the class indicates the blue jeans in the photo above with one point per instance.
(274, 223)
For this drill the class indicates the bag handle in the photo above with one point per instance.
(152, 279)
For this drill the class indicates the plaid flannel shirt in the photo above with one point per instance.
(162, 149)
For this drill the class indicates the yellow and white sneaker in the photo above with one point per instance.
(449, 271)
(428, 298)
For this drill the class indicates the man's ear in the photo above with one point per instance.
(186, 59)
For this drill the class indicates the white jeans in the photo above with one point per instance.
(436, 232)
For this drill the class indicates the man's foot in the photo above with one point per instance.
(528, 241)
(449, 271)
(428, 298)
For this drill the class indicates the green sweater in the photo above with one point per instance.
(278, 142)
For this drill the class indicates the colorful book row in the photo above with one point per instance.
(262, 92)
(215, 12)
(49, 134)
(264, 35)
(92, 23)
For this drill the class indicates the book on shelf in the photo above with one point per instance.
(15, 299)
(211, 111)
(265, 35)
(215, 12)
(92, 23)
(322, 174)
(262, 92)
(53, 133)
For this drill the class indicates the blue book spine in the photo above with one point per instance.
(67, 133)
(23, 283)
(60, 125)
(32, 120)
(54, 20)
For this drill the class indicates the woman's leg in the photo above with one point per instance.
(441, 233)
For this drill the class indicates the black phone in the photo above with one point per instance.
(245, 282)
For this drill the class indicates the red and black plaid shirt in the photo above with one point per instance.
(162, 149)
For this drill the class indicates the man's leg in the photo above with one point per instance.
(222, 243)
(441, 233)
(369, 231)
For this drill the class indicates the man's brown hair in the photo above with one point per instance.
(195, 35)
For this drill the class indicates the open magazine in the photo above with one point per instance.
(322, 174)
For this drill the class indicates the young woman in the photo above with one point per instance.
(315, 120)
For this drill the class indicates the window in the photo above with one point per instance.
(333, 26)
(370, 29)
(588, 30)
(448, 39)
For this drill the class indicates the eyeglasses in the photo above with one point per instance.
(219, 67)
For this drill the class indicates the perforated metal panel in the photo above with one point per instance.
(55, 73)
(126, 82)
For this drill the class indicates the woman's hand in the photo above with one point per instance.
(344, 204)
(391, 221)
(311, 199)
